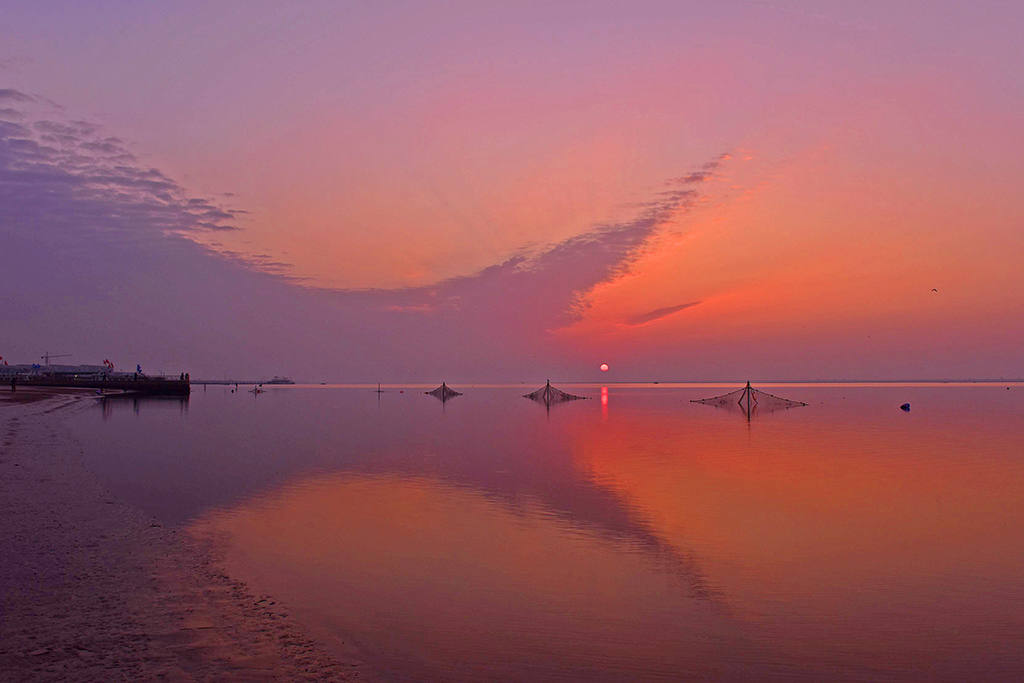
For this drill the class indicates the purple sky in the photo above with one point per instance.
(424, 191)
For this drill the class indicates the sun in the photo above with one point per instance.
(604, 367)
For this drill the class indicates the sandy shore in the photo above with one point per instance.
(92, 589)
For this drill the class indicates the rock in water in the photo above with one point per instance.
(905, 407)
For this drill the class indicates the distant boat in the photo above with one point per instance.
(281, 379)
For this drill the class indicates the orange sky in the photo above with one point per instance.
(874, 154)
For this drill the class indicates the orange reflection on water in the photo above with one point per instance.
(899, 538)
(837, 541)
(442, 577)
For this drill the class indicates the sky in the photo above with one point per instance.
(515, 191)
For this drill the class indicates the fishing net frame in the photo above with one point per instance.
(443, 392)
(749, 400)
(549, 395)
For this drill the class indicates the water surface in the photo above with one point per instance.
(636, 536)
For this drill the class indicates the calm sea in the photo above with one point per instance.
(633, 537)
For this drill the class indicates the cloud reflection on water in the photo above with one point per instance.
(665, 537)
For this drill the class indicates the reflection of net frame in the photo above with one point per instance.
(548, 395)
(749, 400)
(444, 392)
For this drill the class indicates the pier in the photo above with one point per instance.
(149, 386)
(102, 377)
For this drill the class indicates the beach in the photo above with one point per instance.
(94, 589)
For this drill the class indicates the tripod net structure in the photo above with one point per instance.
(548, 395)
(749, 400)
(443, 392)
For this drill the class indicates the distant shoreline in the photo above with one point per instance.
(663, 383)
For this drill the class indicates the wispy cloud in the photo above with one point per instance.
(706, 173)
(657, 314)
(718, 161)
(11, 95)
(131, 267)
(528, 296)
(69, 168)
(690, 178)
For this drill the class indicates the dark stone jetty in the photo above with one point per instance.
(150, 386)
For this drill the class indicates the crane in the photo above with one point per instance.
(47, 356)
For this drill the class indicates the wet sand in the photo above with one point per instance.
(93, 589)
